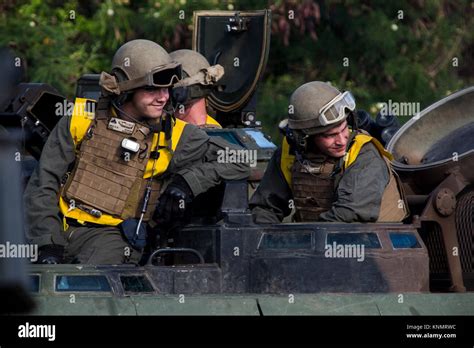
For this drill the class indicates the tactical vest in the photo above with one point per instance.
(313, 183)
(107, 185)
(313, 187)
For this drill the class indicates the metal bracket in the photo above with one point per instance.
(439, 209)
(237, 24)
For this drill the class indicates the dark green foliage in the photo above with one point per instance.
(409, 59)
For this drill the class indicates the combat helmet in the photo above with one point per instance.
(317, 106)
(140, 63)
(199, 77)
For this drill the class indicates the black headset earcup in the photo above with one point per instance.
(121, 99)
(179, 95)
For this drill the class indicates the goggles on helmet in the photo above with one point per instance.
(159, 77)
(334, 111)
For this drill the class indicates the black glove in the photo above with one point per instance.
(129, 230)
(173, 203)
(51, 254)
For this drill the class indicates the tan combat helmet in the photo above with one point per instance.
(198, 75)
(317, 106)
(140, 63)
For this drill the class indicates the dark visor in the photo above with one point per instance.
(167, 77)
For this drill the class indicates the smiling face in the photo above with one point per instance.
(333, 142)
(147, 103)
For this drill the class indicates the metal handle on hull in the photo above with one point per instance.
(176, 251)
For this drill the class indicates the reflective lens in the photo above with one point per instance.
(334, 111)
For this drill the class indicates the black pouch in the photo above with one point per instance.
(129, 231)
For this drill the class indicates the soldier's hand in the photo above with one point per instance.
(51, 254)
(173, 203)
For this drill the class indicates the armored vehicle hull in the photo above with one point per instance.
(225, 264)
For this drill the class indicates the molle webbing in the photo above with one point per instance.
(103, 180)
(313, 187)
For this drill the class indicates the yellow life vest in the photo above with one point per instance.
(286, 161)
(80, 122)
(360, 140)
(212, 123)
(393, 207)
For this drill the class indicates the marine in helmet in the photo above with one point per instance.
(324, 169)
(117, 165)
(199, 79)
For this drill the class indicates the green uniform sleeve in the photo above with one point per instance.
(41, 194)
(271, 201)
(196, 160)
(360, 190)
